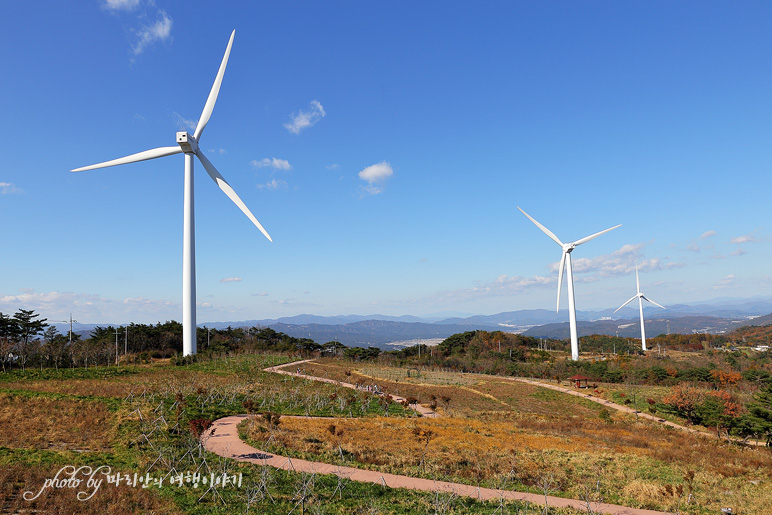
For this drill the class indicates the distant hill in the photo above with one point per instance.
(757, 321)
(631, 328)
(715, 316)
(375, 333)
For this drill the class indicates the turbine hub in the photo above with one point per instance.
(187, 142)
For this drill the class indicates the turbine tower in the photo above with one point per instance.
(641, 297)
(188, 144)
(565, 262)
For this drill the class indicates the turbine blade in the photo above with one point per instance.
(644, 297)
(588, 238)
(209, 106)
(637, 281)
(560, 279)
(626, 303)
(226, 188)
(544, 229)
(133, 158)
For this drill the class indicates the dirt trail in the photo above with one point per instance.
(426, 412)
(625, 409)
(570, 391)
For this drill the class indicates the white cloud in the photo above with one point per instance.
(161, 30)
(619, 262)
(333, 166)
(9, 188)
(231, 280)
(90, 308)
(726, 282)
(738, 252)
(304, 119)
(120, 5)
(743, 239)
(261, 294)
(275, 163)
(184, 123)
(273, 184)
(707, 234)
(375, 175)
(503, 285)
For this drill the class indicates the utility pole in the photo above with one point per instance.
(117, 332)
(71, 322)
(126, 341)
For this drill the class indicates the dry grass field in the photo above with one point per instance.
(494, 432)
(51, 423)
(498, 433)
(140, 420)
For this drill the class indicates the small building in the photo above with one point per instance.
(577, 379)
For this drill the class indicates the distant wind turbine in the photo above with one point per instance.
(565, 262)
(188, 144)
(641, 297)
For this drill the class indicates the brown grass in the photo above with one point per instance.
(150, 380)
(473, 394)
(497, 426)
(632, 464)
(43, 423)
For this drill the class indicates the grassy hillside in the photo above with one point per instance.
(143, 420)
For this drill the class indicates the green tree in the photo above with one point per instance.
(27, 325)
(758, 421)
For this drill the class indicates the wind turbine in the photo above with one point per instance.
(641, 297)
(565, 262)
(188, 145)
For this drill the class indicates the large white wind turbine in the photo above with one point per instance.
(188, 145)
(641, 297)
(565, 262)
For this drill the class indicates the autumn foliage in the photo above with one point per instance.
(711, 408)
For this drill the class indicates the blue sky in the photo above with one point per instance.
(385, 147)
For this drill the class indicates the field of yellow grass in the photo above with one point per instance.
(498, 432)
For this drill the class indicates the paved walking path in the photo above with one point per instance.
(225, 442)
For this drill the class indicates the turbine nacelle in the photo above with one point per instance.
(187, 142)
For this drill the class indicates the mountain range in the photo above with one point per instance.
(715, 316)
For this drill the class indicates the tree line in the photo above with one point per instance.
(27, 340)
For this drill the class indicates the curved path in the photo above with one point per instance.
(426, 412)
(625, 409)
(570, 391)
(225, 442)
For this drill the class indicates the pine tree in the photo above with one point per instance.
(758, 421)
